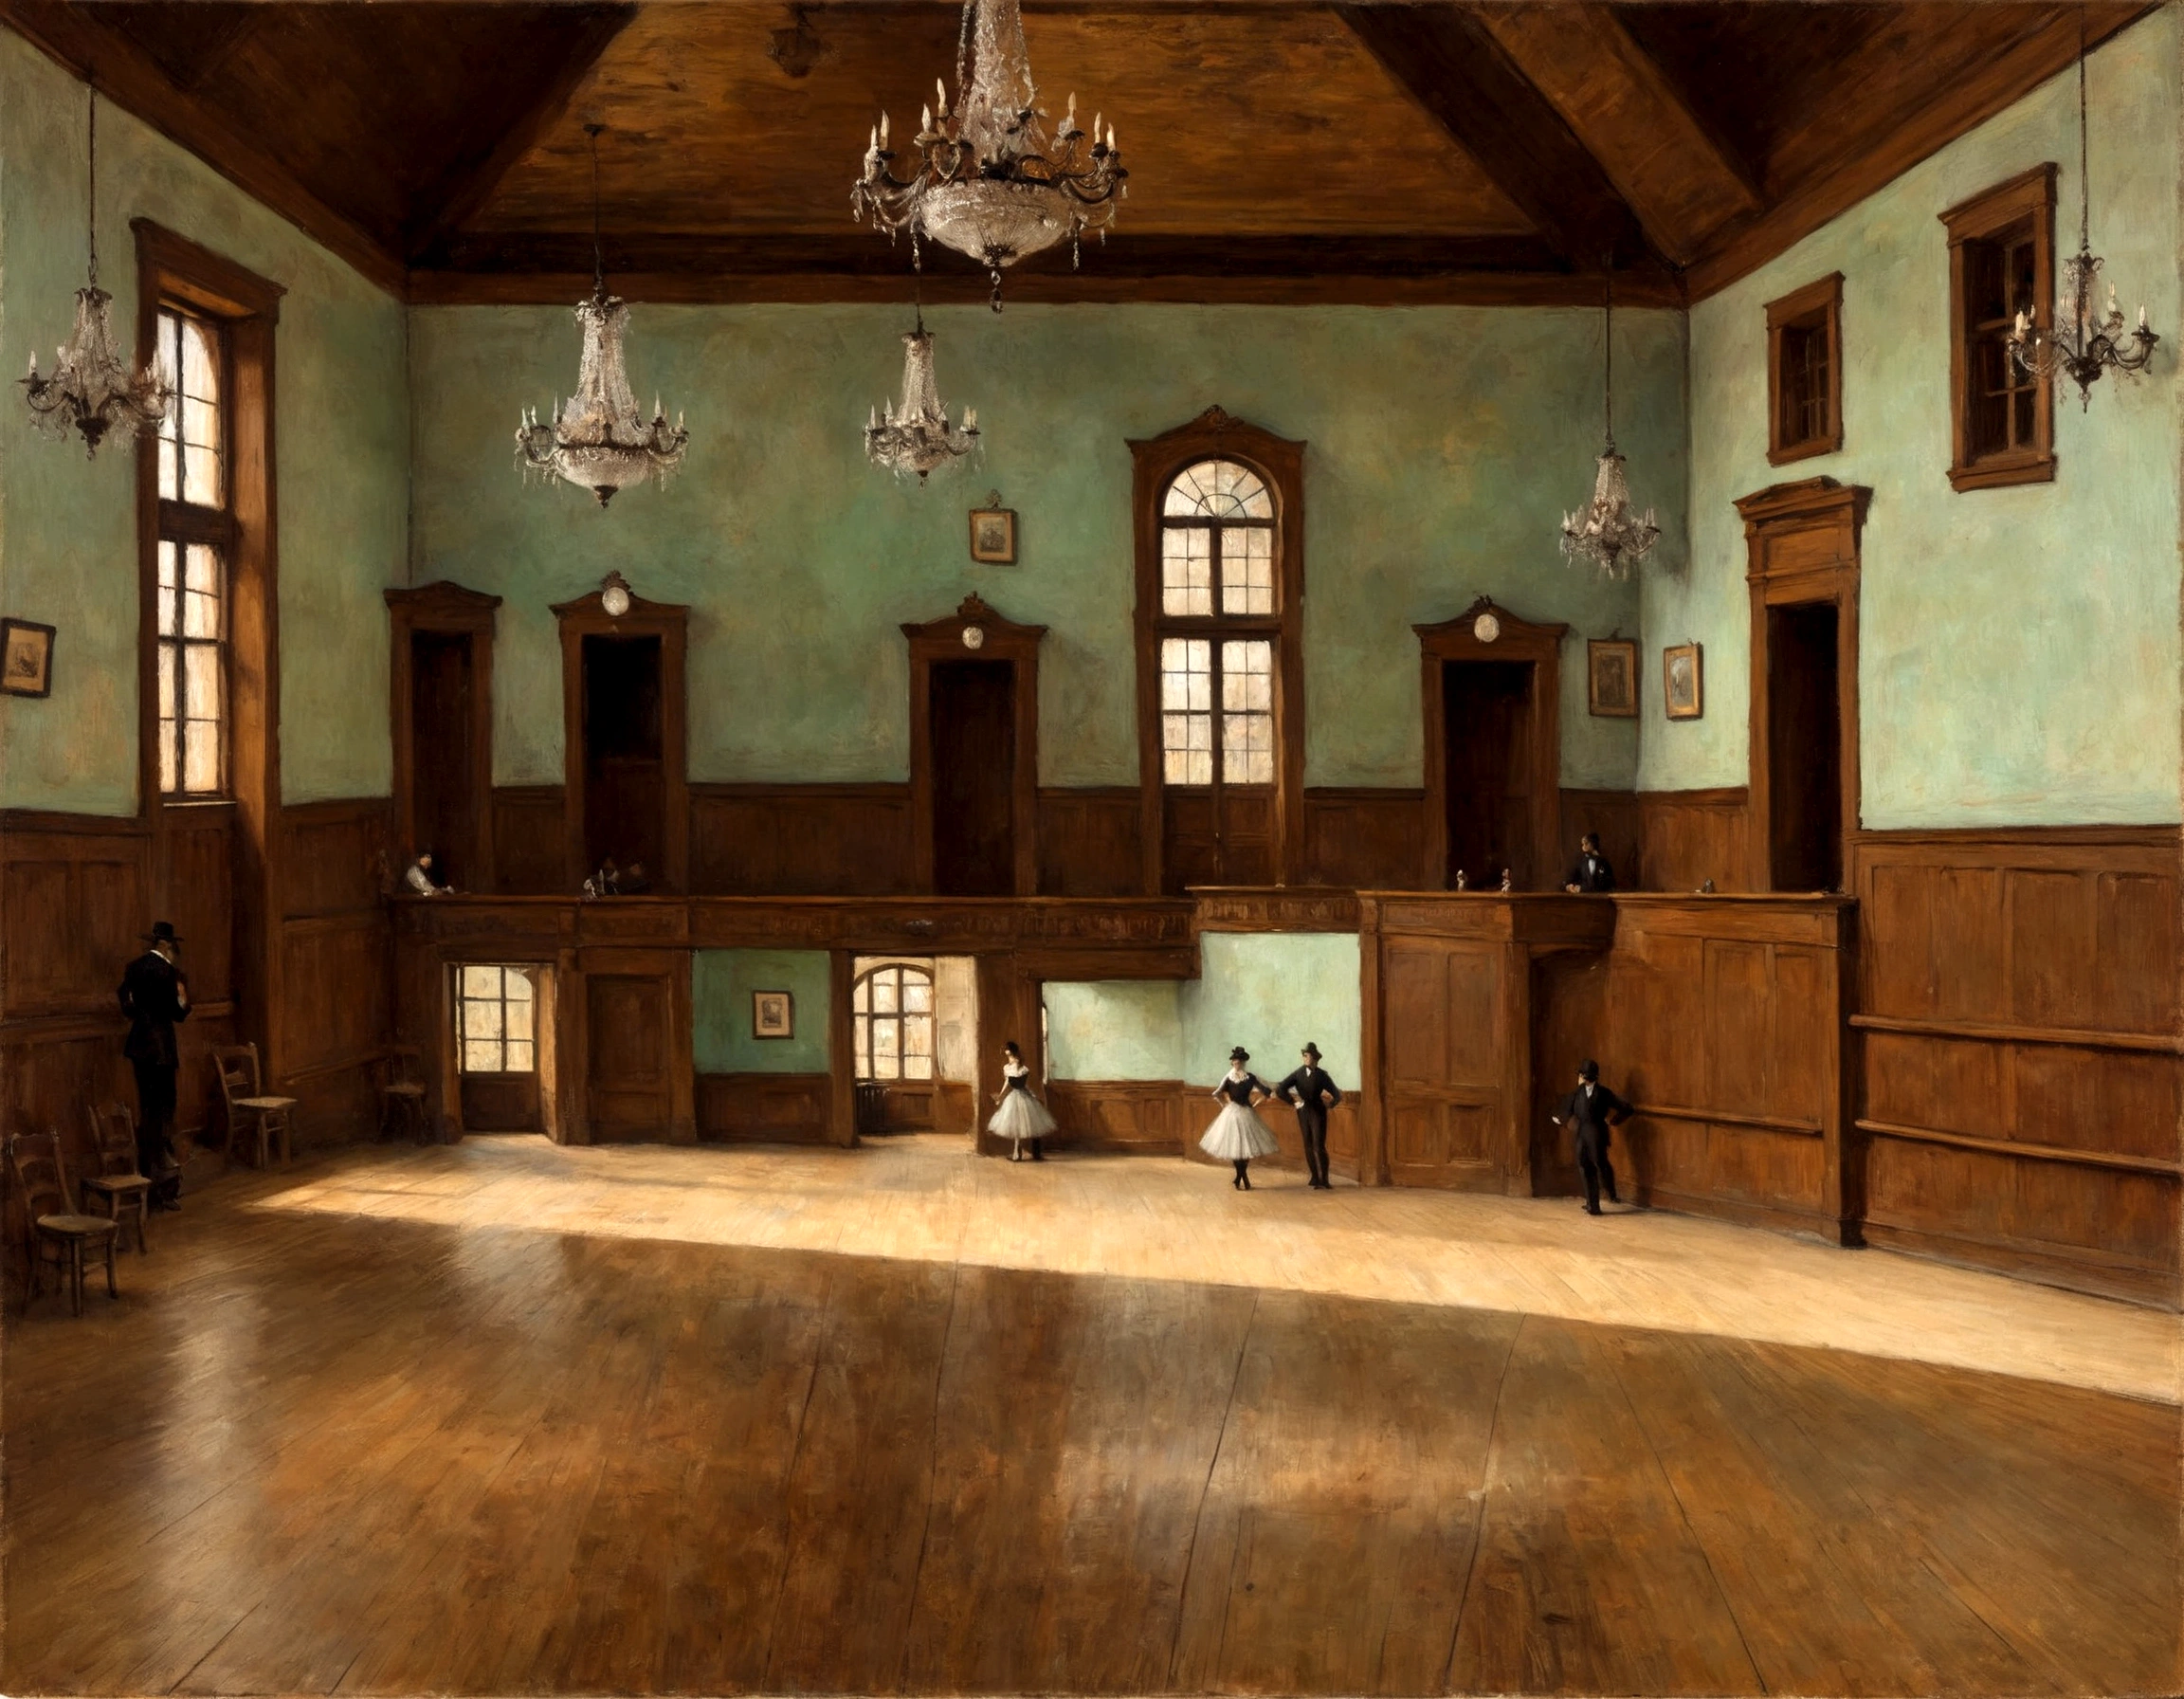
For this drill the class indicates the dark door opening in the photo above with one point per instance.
(443, 802)
(973, 731)
(1803, 748)
(625, 776)
(1487, 707)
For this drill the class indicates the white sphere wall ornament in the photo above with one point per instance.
(974, 636)
(613, 595)
(1486, 629)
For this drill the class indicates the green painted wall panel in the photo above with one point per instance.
(2020, 656)
(721, 982)
(1115, 1029)
(67, 526)
(1444, 444)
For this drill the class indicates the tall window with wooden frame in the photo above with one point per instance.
(1220, 587)
(1805, 372)
(2001, 262)
(196, 541)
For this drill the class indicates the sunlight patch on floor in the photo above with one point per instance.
(929, 1200)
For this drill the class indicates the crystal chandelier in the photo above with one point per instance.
(1606, 532)
(599, 438)
(916, 436)
(987, 180)
(92, 389)
(2086, 341)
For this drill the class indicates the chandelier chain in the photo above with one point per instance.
(598, 252)
(91, 176)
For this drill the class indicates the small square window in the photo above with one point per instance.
(1805, 372)
(2001, 262)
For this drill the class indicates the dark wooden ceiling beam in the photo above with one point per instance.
(1682, 183)
(473, 172)
(1447, 59)
(72, 36)
(1493, 270)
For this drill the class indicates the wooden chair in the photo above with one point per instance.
(402, 1095)
(118, 1190)
(255, 1121)
(57, 1234)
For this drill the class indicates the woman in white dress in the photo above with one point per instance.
(1237, 1134)
(1020, 1117)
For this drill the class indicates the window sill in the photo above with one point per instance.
(1809, 450)
(1998, 470)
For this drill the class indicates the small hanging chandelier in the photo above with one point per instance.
(988, 180)
(599, 438)
(1606, 532)
(93, 389)
(2084, 341)
(916, 436)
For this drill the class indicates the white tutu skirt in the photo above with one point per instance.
(1238, 1132)
(1021, 1116)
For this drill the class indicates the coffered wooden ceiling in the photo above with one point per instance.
(1279, 149)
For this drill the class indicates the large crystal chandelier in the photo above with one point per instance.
(93, 389)
(916, 436)
(1606, 532)
(599, 438)
(987, 180)
(2084, 341)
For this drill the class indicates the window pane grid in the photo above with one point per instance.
(191, 436)
(892, 1019)
(190, 618)
(495, 1019)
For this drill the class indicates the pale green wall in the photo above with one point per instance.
(1446, 444)
(721, 982)
(2019, 654)
(1267, 991)
(68, 525)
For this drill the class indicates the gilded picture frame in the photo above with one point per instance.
(1612, 677)
(1682, 681)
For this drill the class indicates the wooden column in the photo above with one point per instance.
(840, 1050)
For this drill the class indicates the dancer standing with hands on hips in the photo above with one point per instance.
(1314, 1093)
(1237, 1134)
(1020, 1115)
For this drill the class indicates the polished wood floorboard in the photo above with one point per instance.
(507, 1419)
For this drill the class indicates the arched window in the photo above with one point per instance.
(1220, 580)
(891, 1015)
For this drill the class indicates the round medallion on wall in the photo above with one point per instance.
(974, 636)
(1486, 628)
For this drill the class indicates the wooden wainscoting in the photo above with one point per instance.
(800, 840)
(1365, 839)
(765, 1109)
(1723, 1022)
(1089, 841)
(2023, 1070)
(1616, 816)
(530, 841)
(337, 965)
(1687, 837)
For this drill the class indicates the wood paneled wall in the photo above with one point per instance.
(1168, 1117)
(1089, 842)
(2022, 1070)
(801, 840)
(1687, 837)
(335, 1014)
(529, 841)
(764, 1109)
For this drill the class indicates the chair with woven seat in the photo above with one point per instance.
(57, 1234)
(402, 1095)
(256, 1119)
(117, 1190)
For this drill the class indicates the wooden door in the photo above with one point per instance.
(638, 1081)
(443, 800)
(624, 769)
(1803, 748)
(1486, 742)
(973, 731)
(1447, 1018)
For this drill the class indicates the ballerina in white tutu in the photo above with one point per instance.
(1237, 1134)
(1020, 1117)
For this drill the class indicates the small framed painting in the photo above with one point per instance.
(1682, 682)
(772, 1015)
(1612, 677)
(994, 536)
(26, 658)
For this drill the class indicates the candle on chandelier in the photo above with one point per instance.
(970, 418)
(883, 129)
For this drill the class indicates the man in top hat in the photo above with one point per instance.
(1590, 1111)
(1313, 1094)
(155, 994)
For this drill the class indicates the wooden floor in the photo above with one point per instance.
(508, 1418)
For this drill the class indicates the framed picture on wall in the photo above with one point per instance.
(26, 658)
(1612, 677)
(1682, 682)
(772, 1015)
(994, 536)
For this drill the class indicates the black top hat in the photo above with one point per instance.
(1311, 1050)
(162, 933)
(1588, 1070)
(1239, 1054)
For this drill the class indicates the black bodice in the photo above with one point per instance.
(1239, 1091)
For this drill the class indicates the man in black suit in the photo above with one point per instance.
(1313, 1094)
(1590, 871)
(1590, 1111)
(154, 995)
